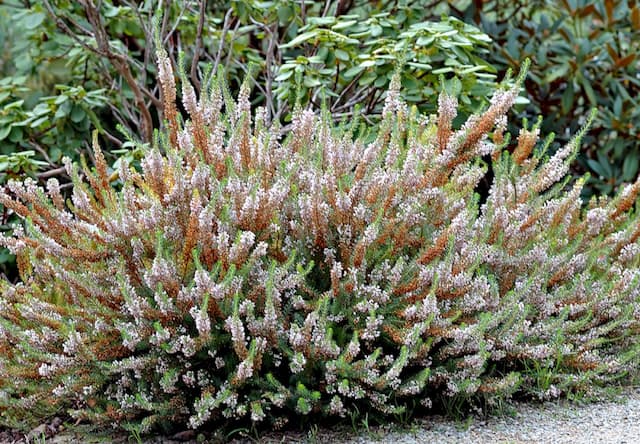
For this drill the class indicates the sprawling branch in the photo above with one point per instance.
(119, 61)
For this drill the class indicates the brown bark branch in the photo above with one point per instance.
(198, 48)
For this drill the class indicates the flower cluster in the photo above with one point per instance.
(241, 275)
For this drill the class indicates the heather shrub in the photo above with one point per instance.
(244, 276)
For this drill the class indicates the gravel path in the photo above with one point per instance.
(610, 422)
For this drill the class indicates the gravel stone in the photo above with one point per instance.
(611, 422)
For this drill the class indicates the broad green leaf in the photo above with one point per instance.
(595, 166)
(16, 134)
(77, 114)
(445, 70)
(368, 63)
(285, 14)
(61, 99)
(311, 82)
(353, 71)
(318, 58)
(381, 81)
(423, 66)
(36, 123)
(321, 21)
(472, 69)
(55, 154)
(342, 55)
(301, 39)
(425, 40)
(284, 75)
(4, 131)
(617, 106)
(13, 105)
(34, 20)
(630, 167)
(343, 25)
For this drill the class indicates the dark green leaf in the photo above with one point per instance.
(352, 72)
(285, 14)
(16, 134)
(4, 131)
(77, 114)
(617, 106)
(342, 55)
(595, 166)
(630, 167)
(36, 123)
(567, 98)
(284, 75)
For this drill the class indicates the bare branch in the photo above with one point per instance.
(346, 89)
(41, 150)
(269, 63)
(198, 48)
(121, 63)
(223, 35)
(233, 37)
(62, 25)
(175, 25)
(148, 38)
(51, 173)
(327, 5)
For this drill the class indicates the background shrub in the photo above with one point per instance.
(585, 55)
(239, 276)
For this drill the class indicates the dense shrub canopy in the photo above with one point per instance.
(241, 275)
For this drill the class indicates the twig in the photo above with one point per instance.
(51, 173)
(357, 97)
(41, 150)
(233, 37)
(269, 64)
(148, 38)
(112, 138)
(223, 35)
(65, 28)
(198, 49)
(121, 63)
(345, 90)
(174, 27)
(325, 11)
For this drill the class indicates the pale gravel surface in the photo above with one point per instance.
(553, 422)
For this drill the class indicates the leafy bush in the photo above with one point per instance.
(239, 276)
(348, 62)
(345, 48)
(585, 54)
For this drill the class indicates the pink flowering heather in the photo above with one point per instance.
(243, 276)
